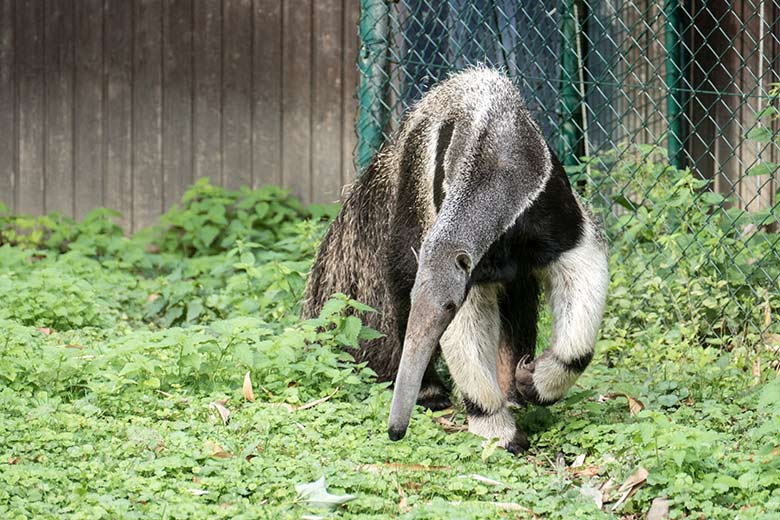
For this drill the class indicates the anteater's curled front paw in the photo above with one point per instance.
(525, 372)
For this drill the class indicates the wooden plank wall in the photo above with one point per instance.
(735, 61)
(124, 103)
(735, 51)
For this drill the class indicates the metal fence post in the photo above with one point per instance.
(373, 111)
(571, 136)
(674, 80)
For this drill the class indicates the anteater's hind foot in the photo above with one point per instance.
(434, 397)
(433, 394)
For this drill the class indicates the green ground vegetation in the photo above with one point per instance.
(124, 390)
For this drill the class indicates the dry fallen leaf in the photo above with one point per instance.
(216, 451)
(315, 494)
(395, 466)
(152, 297)
(594, 494)
(79, 347)
(13, 460)
(586, 471)
(197, 492)
(767, 314)
(606, 490)
(659, 509)
(403, 507)
(219, 406)
(634, 405)
(449, 426)
(485, 480)
(314, 403)
(503, 506)
(249, 394)
(46, 331)
(579, 461)
(630, 486)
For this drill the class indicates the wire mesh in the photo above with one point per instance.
(605, 81)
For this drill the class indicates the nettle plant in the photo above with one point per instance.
(212, 219)
(699, 264)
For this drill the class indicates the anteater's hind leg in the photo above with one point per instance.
(470, 347)
(519, 306)
(433, 393)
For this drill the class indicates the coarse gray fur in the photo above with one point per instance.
(426, 235)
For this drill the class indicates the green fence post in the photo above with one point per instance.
(674, 79)
(373, 111)
(571, 137)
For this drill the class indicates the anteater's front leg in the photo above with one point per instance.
(470, 347)
(576, 288)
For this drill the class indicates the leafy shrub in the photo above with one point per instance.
(49, 297)
(212, 219)
(111, 413)
(697, 261)
(292, 364)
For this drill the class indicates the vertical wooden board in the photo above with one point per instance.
(88, 105)
(727, 161)
(8, 137)
(147, 113)
(657, 118)
(267, 93)
(296, 98)
(701, 105)
(30, 108)
(207, 116)
(59, 106)
(177, 95)
(118, 181)
(326, 101)
(236, 94)
(755, 43)
(349, 84)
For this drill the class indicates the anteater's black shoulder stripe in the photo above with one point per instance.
(445, 136)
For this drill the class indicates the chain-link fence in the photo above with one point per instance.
(663, 112)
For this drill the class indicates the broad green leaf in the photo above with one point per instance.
(760, 134)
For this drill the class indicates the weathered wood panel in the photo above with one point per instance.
(118, 180)
(88, 135)
(9, 137)
(236, 94)
(30, 107)
(267, 99)
(147, 113)
(349, 49)
(59, 106)
(326, 101)
(207, 115)
(124, 103)
(296, 97)
(177, 103)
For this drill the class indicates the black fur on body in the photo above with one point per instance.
(469, 180)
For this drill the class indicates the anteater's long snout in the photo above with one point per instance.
(430, 314)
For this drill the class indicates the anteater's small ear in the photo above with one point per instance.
(463, 259)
